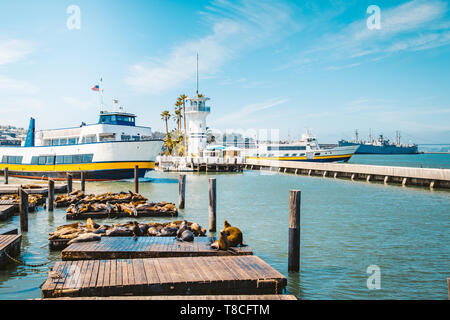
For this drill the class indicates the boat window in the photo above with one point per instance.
(51, 160)
(76, 159)
(113, 118)
(286, 155)
(317, 154)
(125, 137)
(67, 159)
(59, 159)
(42, 160)
(5, 159)
(136, 138)
(62, 142)
(72, 140)
(87, 158)
(34, 160)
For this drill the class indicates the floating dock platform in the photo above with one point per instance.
(105, 215)
(9, 245)
(431, 178)
(14, 189)
(246, 275)
(145, 247)
(7, 211)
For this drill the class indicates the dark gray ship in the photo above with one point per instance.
(380, 145)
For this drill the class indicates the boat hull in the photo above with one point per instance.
(340, 154)
(389, 149)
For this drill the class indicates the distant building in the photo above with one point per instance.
(11, 136)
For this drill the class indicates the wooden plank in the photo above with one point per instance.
(144, 247)
(174, 276)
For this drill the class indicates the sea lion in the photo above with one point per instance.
(187, 236)
(183, 227)
(91, 225)
(86, 237)
(222, 243)
(168, 232)
(153, 232)
(137, 232)
(119, 232)
(234, 235)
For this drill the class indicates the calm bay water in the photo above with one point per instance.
(346, 226)
(424, 160)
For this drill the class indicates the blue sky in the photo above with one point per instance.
(264, 64)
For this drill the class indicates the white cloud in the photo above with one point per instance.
(8, 85)
(233, 27)
(14, 50)
(412, 26)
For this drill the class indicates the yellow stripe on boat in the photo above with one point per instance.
(79, 167)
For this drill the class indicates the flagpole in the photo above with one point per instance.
(101, 92)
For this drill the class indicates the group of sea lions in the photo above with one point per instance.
(33, 199)
(228, 237)
(92, 231)
(131, 208)
(77, 197)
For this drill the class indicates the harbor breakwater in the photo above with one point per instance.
(426, 177)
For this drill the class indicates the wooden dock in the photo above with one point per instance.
(14, 189)
(145, 247)
(245, 275)
(431, 178)
(8, 231)
(9, 244)
(105, 215)
(7, 211)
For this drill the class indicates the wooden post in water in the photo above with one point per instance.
(23, 210)
(69, 183)
(83, 181)
(181, 191)
(448, 285)
(51, 194)
(136, 179)
(6, 175)
(212, 205)
(294, 231)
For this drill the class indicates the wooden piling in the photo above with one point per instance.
(386, 179)
(294, 231)
(23, 210)
(448, 286)
(51, 194)
(83, 181)
(6, 175)
(212, 205)
(181, 191)
(69, 183)
(136, 179)
(369, 177)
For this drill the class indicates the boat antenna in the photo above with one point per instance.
(197, 73)
(101, 92)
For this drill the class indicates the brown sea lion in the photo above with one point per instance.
(234, 235)
(222, 243)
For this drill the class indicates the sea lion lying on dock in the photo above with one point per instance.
(234, 235)
(184, 233)
(86, 237)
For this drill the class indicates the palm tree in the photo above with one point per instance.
(165, 115)
(182, 99)
(177, 118)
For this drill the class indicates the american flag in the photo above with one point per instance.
(96, 88)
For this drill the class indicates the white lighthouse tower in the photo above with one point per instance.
(197, 111)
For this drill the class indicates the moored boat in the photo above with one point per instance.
(306, 149)
(107, 150)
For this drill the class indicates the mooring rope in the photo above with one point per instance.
(27, 264)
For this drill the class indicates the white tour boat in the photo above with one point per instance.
(108, 150)
(307, 149)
